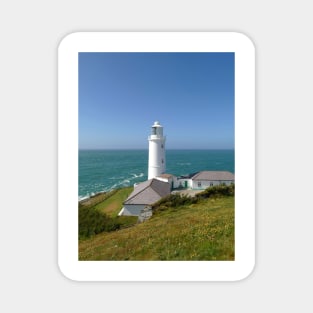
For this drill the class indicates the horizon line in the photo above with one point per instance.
(147, 149)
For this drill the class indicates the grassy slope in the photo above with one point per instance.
(112, 205)
(91, 219)
(202, 231)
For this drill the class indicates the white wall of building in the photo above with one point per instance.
(156, 157)
(203, 184)
(166, 180)
(194, 184)
(133, 209)
(182, 182)
(157, 162)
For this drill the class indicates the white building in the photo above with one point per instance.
(144, 195)
(205, 179)
(156, 165)
(200, 180)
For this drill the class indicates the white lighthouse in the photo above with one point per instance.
(156, 164)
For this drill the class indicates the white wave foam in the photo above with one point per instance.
(116, 177)
(80, 198)
(137, 176)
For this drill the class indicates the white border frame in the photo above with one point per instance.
(244, 51)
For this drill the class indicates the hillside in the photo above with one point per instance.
(201, 231)
(100, 213)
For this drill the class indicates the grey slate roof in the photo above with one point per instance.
(214, 175)
(149, 192)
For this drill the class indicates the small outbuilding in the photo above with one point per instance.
(205, 179)
(199, 180)
(144, 195)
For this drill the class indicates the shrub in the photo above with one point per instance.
(173, 201)
(92, 222)
(217, 191)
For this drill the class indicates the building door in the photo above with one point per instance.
(186, 184)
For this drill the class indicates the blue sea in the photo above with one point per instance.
(104, 170)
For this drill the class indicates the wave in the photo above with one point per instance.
(80, 198)
(137, 176)
(117, 181)
(114, 177)
(89, 195)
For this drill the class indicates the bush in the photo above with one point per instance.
(217, 191)
(92, 222)
(173, 201)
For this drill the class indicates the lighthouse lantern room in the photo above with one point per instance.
(156, 165)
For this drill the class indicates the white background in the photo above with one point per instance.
(30, 33)
(244, 50)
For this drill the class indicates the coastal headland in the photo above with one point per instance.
(181, 227)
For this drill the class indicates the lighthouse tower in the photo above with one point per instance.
(156, 165)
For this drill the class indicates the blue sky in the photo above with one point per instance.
(122, 94)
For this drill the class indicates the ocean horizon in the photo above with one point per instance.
(101, 170)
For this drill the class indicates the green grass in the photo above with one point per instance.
(100, 213)
(98, 198)
(201, 231)
(113, 204)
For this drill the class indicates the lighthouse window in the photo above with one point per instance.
(162, 145)
(162, 161)
(153, 131)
